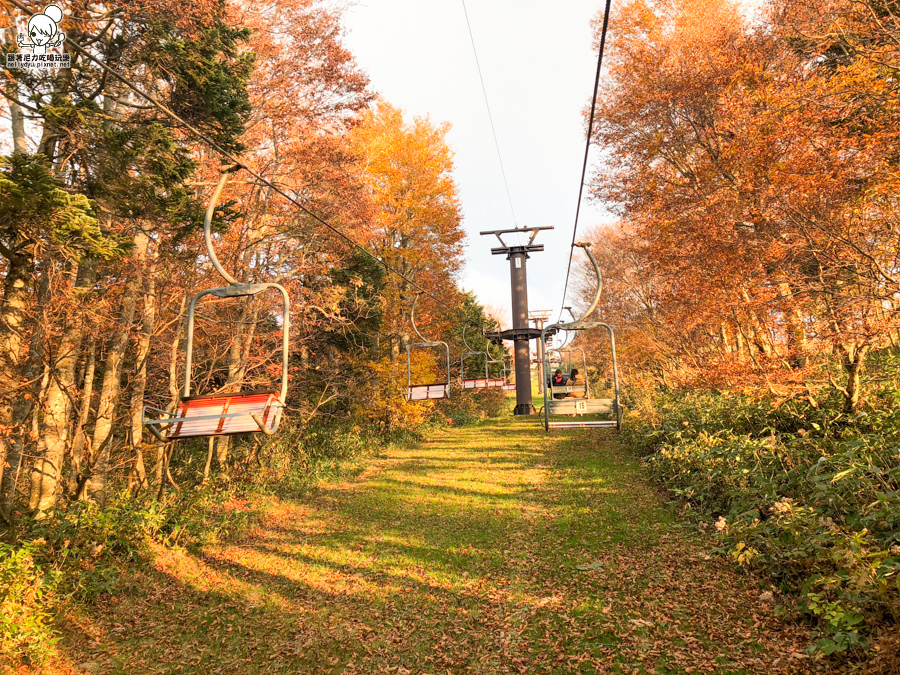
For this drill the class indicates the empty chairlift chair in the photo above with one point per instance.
(473, 382)
(223, 413)
(429, 390)
(501, 382)
(576, 408)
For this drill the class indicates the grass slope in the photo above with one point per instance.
(457, 556)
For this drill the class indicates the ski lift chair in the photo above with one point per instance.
(473, 382)
(575, 408)
(221, 414)
(501, 382)
(430, 390)
(566, 389)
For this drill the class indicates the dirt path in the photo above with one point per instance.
(459, 556)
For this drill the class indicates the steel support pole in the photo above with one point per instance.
(542, 376)
(521, 333)
(519, 284)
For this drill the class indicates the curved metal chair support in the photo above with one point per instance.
(422, 392)
(207, 224)
(590, 310)
(578, 406)
(466, 342)
(219, 414)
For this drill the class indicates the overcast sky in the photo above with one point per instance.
(538, 67)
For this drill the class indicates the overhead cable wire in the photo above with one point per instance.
(199, 135)
(587, 147)
(490, 116)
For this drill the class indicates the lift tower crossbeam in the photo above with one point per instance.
(520, 333)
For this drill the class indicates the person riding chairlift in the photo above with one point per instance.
(574, 381)
(558, 381)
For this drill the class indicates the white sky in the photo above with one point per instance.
(538, 67)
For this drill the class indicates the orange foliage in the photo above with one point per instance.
(753, 167)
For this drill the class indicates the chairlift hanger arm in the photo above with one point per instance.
(207, 223)
(465, 342)
(581, 324)
(412, 319)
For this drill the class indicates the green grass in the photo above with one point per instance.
(460, 555)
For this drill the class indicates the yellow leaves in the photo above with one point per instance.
(408, 169)
(744, 554)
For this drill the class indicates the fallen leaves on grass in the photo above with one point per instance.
(460, 556)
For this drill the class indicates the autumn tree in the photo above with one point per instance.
(747, 180)
(305, 94)
(102, 142)
(416, 226)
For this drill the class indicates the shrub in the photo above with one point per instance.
(470, 406)
(385, 409)
(802, 494)
(27, 603)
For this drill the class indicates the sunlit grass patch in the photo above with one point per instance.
(489, 550)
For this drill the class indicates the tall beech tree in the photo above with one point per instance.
(753, 172)
(416, 225)
(102, 142)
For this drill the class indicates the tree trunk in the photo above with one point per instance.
(79, 439)
(112, 375)
(16, 118)
(739, 344)
(139, 386)
(175, 394)
(853, 359)
(12, 327)
(54, 426)
(796, 332)
(210, 446)
(25, 408)
(757, 336)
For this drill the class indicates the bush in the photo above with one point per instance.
(27, 603)
(383, 406)
(802, 494)
(470, 406)
(300, 457)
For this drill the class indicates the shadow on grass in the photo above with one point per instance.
(403, 571)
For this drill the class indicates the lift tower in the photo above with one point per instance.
(520, 333)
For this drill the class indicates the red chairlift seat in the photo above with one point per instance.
(427, 392)
(482, 383)
(500, 382)
(221, 415)
(473, 382)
